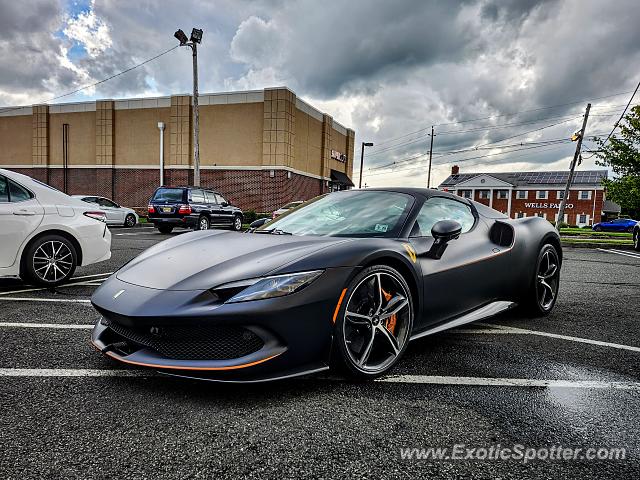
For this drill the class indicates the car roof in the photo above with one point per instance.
(189, 187)
(416, 192)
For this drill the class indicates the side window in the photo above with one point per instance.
(438, 208)
(4, 191)
(108, 203)
(18, 193)
(197, 196)
(209, 197)
(220, 199)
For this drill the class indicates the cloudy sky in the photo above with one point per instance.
(489, 74)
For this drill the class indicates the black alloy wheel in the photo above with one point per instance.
(375, 322)
(130, 220)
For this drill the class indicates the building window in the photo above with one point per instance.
(483, 194)
(541, 215)
(585, 194)
(542, 194)
(464, 193)
(560, 194)
(582, 218)
(521, 215)
(503, 194)
(522, 194)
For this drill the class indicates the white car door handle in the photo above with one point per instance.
(24, 212)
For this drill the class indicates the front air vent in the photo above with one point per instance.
(502, 234)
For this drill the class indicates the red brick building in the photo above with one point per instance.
(525, 194)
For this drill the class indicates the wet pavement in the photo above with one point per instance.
(110, 421)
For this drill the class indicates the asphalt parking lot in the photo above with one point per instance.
(571, 379)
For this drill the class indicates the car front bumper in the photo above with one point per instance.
(295, 331)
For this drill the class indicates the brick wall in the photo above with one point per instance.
(248, 189)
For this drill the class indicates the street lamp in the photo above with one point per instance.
(192, 42)
(364, 144)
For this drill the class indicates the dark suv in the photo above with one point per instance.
(192, 207)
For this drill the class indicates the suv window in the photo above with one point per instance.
(220, 199)
(4, 191)
(439, 208)
(12, 192)
(169, 195)
(197, 196)
(209, 196)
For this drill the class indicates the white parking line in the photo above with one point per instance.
(89, 283)
(524, 331)
(45, 325)
(618, 252)
(508, 382)
(92, 276)
(36, 299)
(71, 372)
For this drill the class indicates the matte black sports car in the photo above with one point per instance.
(345, 280)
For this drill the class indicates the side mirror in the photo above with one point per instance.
(224, 204)
(443, 232)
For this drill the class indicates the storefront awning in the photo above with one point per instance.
(341, 178)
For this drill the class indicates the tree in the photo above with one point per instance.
(622, 154)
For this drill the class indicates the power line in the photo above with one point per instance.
(101, 81)
(502, 115)
(622, 115)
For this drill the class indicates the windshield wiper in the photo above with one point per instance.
(274, 231)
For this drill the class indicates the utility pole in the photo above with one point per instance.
(430, 154)
(364, 144)
(192, 42)
(196, 118)
(576, 155)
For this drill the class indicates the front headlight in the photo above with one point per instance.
(270, 287)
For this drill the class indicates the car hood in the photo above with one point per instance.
(206, 259)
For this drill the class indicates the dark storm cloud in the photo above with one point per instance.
(384, 68)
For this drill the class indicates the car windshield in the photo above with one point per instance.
(168, 195)
(355, 213)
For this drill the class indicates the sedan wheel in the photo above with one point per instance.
(50, 261)
(130, 220)
(376, 322)
(237, 224)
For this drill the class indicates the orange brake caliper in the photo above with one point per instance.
(391, 321)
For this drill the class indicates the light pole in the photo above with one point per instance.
(161, 128)
(196, 38)
(364, 144)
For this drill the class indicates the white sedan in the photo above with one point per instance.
(116, 214)
(45, 234)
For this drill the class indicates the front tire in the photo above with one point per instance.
(50, 261)
(636, 239)
(542, 294)
(237, 223)
(130, 220)
(374, 323)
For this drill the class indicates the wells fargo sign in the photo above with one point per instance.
(554, 206)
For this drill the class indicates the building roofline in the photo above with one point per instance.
(250, 96)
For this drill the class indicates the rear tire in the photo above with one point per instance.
(50, 261)
(368, 338)
(130, 220)
(165, 228)
(597, 228)
(203, 223)
(541, 296)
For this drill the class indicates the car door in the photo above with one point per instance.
(225, 209)
(213, 207)
(456, 283)
(115, 214)
(20, 215)
(198, 202)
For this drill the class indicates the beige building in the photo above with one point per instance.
(261, 148)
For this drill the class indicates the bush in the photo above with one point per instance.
(564, 225)
(251, 216)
